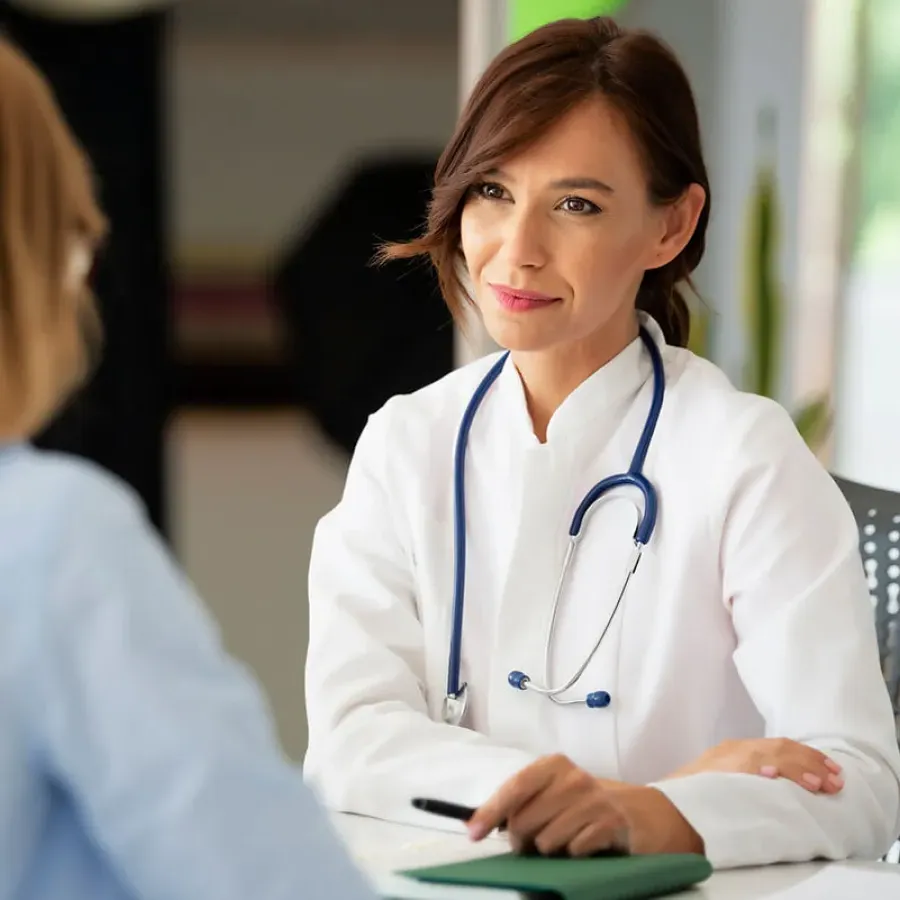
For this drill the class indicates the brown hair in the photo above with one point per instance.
(48, 214)
(526, 89)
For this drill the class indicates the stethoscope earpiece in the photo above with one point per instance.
(594, 700)
(518, 680)
(598, 700)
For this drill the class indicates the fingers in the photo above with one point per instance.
(553, 807)
(814, 780)
(772, 758)
(513, 795)
(581, 831)
(568, 790)
(534, 819)
(804, 765)
(558, 812)
(595, 837)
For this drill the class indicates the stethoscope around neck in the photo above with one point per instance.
(455, 700)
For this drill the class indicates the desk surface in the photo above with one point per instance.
(382, 848)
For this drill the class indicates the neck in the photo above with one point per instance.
(549, 376)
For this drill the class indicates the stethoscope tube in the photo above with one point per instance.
(455, 700)
(595, 699)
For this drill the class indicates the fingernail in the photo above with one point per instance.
(477, 831)
(769, 771)
(832, 765)
(836, 781)
(812, 780)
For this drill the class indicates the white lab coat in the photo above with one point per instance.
(748, 615)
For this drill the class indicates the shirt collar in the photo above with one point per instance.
(599, 399)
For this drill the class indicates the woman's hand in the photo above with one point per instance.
(771, 758)
(553, 807)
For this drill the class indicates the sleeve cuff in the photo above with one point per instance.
(730, 838)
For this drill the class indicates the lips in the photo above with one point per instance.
(521, 300)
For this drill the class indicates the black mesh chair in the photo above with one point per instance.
(877, 513)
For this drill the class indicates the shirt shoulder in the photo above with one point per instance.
(46, 497)
(408, 425)
(60, 517)
(739, 445)
(49, 476)
(449, 394)
(703, 401)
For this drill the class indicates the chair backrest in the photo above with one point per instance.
(877, 514)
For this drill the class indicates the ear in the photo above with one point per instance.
(678, 222)
(79, 266)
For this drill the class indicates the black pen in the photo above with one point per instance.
(448, 810)
(464, 813)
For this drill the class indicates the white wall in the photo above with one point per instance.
(245, 493)
(261, 129)
(867, 427)
(434, 19)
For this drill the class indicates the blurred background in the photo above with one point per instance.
(251, 154)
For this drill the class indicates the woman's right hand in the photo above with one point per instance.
(771, 758)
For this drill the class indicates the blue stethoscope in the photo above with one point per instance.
(455, 701)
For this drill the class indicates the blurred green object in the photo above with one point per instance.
(763, 300)
(526, 15)
(699, 339)
(877, 235)
(814, 421)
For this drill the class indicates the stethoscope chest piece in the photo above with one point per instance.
(455, 707)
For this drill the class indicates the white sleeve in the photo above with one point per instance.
(372, 745)
(807, 654)
(163, 743)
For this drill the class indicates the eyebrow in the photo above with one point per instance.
(567, 184)
(576, 184)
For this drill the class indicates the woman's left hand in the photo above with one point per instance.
(772, 758)
(554, 807)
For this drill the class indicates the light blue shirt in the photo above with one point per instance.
(137, 760)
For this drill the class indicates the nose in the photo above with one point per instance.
(524, 241)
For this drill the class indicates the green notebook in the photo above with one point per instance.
(596, 878)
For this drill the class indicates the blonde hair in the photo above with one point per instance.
(50, 226)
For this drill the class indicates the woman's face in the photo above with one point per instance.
(558, 238)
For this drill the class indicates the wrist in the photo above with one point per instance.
(655, 824)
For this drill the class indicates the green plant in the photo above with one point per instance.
(763, 300)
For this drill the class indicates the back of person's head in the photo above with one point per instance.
(50, 226)
(528, 88)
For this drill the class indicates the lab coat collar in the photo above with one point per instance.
(603, 395)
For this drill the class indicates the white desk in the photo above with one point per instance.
(382, 848)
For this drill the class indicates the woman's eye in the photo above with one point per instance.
(579, 205)
(491, 191)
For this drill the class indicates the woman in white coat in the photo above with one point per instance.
(569, 204)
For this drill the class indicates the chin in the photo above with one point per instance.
(520, 336)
